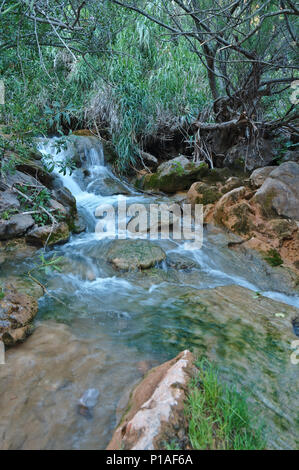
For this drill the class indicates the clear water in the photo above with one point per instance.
(141, 319)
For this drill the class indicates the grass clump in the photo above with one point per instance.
(218, 415)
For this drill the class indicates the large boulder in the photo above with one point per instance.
(279, 193)
(174, 175)
(17, 311)
(156, 407)
(134, 254)
(248, 156)
(15, 226)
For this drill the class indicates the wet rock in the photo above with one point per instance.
(134, 254)
(17, 311)
(79, 224)
(82, 147)
(107, 186)
(51, 235)
(51, 371)
(178, 261)
(156, 407)
(259, 175)
(280, 191)
(15, 226)
(174, 175)
(65, 197)
(15, 250)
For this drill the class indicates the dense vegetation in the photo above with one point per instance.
(143, 73)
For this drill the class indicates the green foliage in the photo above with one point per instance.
(2, 294)
(48, 265)
(273, 258)
(121, 73)
(218, 415)
(6, 215)
(38, 198)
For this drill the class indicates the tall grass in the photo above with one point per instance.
(218, 415)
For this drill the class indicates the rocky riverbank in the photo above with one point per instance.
(123, 299)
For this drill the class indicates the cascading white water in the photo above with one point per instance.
(140, 317)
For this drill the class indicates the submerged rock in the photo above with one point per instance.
(156, 407)
(134, 254)
(17, 311)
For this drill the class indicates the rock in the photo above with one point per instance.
(156, 407)
(15, 250)
(233, 212)
(173, 175)
(149, 159)
(57, 207)
(178, 261)
(259, 175)
(47, 233)
(19, 178)
(65, 197)
(15, 226)
(134, 254)
(247, 156)
(83, 146)
(231, 183)
(79, 224)
(202, 193)
(8, 201)
(17, 312)
(280, 192)
(107, 186)
(51, 371)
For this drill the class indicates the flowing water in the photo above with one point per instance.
(116, 325)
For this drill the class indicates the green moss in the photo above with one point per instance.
(273, 258)
(208, 196)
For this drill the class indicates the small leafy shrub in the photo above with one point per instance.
(38, 198)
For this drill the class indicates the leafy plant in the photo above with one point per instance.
(6, 215)
(39, 197)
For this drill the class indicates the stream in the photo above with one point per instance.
(117, 325)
